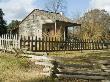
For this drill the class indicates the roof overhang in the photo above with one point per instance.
(69, 23)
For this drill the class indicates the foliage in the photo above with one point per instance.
(56, 6)
(13, 24)
(3, 27)
(95, 24)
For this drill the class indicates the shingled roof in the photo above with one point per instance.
(54, 16)
(51, 15)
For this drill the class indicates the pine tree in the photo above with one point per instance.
(3, 27)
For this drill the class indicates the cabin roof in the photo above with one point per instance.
(50, 15)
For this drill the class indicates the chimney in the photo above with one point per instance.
(61, 13)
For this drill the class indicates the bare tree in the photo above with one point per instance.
(55, 6)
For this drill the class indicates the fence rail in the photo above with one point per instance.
(54, 69)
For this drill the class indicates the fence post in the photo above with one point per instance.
(89, 44)
(97, 45)
(29, 47)
(85, 44)
(92, 45)
(60, 45)
(21, 39)
(102, 44)
(24, 42)
(42, 45)
(13, 41)
(52, 43)
(9, 42)
(55, 44)
(49, 43)
(5, 42)
(32, 43)
(54, 69)
(81, 45)
(46, 44)
(0, 42)
(36, 44)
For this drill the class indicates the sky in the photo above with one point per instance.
(19, 9)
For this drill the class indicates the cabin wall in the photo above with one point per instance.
(40, 25)
(31, 26)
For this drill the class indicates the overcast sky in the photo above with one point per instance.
(18, 9)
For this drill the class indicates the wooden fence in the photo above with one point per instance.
(55, 69)
(34, 44)
(57, 44)
(9, 41)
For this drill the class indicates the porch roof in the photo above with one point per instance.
(69, 24)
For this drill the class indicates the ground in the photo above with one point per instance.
(17, 69)
(21, 69)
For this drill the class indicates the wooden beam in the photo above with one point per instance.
(64, 34)
(55, 27)
(92, 73)
(82, 77)
(44, 64)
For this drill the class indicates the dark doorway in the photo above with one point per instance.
(72, 32)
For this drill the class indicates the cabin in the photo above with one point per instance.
(43, 23)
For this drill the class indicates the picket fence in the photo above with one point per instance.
(9, 41)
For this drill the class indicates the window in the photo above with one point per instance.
(38, 31)
(48, 30)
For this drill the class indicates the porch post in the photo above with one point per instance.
(55, 27)
(73, 32)
(64, 33)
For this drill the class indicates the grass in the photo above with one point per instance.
(82, 58)
(14, 69)
(70, 55)
(20, 69)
